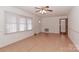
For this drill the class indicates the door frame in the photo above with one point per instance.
(66, 26)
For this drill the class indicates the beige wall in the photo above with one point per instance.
(52, 23)
(73, 24)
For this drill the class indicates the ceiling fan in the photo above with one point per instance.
(43, 9)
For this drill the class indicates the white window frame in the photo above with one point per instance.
(22, 23)
(31, 23)
(8, 23)
(17, 22)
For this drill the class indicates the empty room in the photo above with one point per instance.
(39, 28)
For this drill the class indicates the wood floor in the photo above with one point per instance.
(42, 43)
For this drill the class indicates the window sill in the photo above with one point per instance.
(17, 32)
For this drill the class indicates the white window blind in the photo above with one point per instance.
(22, 23)
(29, 24)
(17, 23)
(11, 23)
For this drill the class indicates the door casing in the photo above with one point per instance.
(66, 26)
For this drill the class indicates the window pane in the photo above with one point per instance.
(22, 23)
(29, 24)
(22, 27)
(11, 25)
(11, 28)
(22, 20)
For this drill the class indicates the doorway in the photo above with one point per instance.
(63, 26)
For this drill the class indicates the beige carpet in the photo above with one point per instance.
(42, 43)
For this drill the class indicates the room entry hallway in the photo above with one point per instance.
(42, 43)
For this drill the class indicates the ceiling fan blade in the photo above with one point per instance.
(50, 10)
(37, 8)
(46, 6)
(37, 11)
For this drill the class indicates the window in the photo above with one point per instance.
(29, 24)
(11, 25)
(22, 23)
(17, 23)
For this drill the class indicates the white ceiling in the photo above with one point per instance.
(57, 10)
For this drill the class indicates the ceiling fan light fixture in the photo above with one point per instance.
(42, 11)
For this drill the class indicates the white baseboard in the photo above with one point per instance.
(76, 45)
